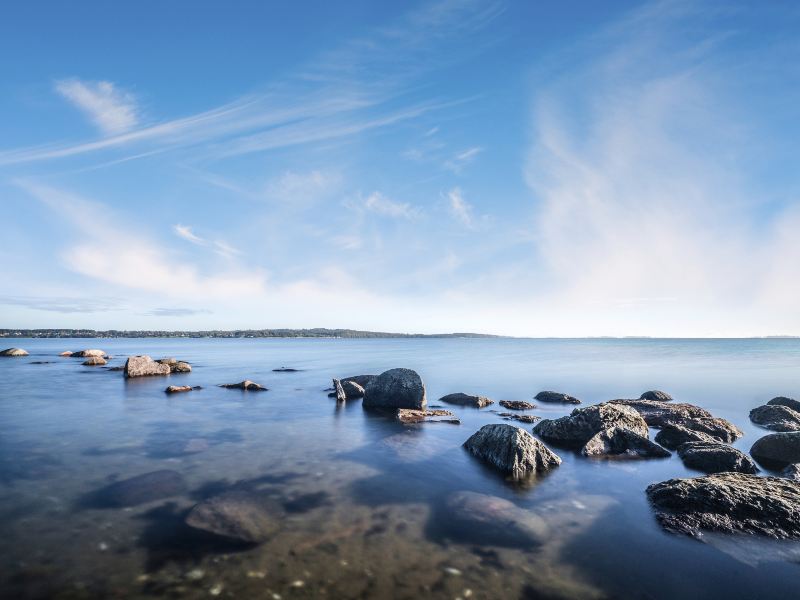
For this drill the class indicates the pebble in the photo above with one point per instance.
(215, 590)
(298, 583)
(452, 571)
(256, 574)
(102, 546)
(195, 574)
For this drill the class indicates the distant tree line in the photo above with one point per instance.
(317, 332)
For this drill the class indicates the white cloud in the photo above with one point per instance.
(460, 208)
(112, 110)
(380, 204)
(185, 232)
(226, 250)
(462, 159)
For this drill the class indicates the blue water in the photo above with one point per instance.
(364, 494)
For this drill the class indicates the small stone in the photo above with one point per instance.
(215, 590)
(516, 404)
(297, 583)
(452, 571)
(461, 399)
(102, 546)
(195, 574)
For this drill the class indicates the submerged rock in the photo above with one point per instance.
(485, 519)
(413, 415)
(237, 515)
(147, 487)
(548, 396)
(715, 457)
(657, 395)
(777, 417)
(95, 361)
(517, 417)
(246, 385)
(144, 366)
(584, 423)
(728, 503)
(672, 436)
(791, 472)
(88, 353)
(511, 450)
(461, 399)
(516, 404)
(176, 389)
(784, 401)
(286, 370)
(620, 441)
(777, 450)
(396, 388)
(13, 352)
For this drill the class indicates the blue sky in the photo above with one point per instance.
(522, 168)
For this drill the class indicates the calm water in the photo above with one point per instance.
(362, 495)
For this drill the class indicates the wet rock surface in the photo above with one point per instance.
(777, 450)
(461, 399)
(619, 441)
(238, 515)
(12, 352)
(657, 395)
(517, 417)
(791, 472)
(661, 414)
(672, 436)
(144, 366)
(396, 388)
(516, 404)
(715, 457)
(728, 503)
(511, 450)
(137, 490)
(556, 397)
(777, 417)
(413, 415)
(584, 423)
(784, 401)
(246, 385)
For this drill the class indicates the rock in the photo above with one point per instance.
(237, 515)
(66, 353)
(286, 370)
(95, 361)
(713, 426)
(144, 366)
(777, 450)
(339, 391)
(396, 388)
(672, 436)
(361, 380)
(461, 399)
(620, 441)
(246, 385)
(657, 395)
(176, 389)
(516, 417)
(715, 457)
(352, 391)
(729, 503)
(584, 423)
(516, 404)
(511, 450)
(175, 365)
(784, 401)
(148, 487)
(791, 472)
(777, 417)
(413, 415)
(88, 353)
(660, 414)
(485, 519)
(13, 352)
(548, 396)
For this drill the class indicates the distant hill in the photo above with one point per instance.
(317, 332)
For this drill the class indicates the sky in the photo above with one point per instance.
(537, 168)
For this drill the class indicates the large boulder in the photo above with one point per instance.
(672, 436)
(13, 352)
(88, 353)
(776, 417)
(141, 489)
(396, 388)
(715, 457)
(777, 450)
(657, 395)
(584, 423)
(728, 503)
(144, 366)
(511, 450)
(556, 397)
(784, 401)
(238, 515)
(484, 519)
(461, 399)
(619, 441)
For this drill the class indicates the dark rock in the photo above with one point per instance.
(777, 417)
(237, 515)
(484, 519)
(777, 450)
(660, 414)
(396, 388)
(461, 399)
(657, 395)
(584, 423)
(620, 441)
(141, 489)
(352, 390)
(338, 391)
(672, 436)
(516, 404)
(144, 366)
(715, 457)
(13, 352)
(286, 370)
(118, 368)
(361, 380)
(412, 415)
(95, 361)
(548, 396)
(175, 389)
(246, 385)
(791, 472)
(517, 417)
(784, 401)
(729, 503)
(714, 426)
(511, 450)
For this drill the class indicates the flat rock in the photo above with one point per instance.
(88, 353)
(485, 519)
(715, 457)
(728, 503)
(11, 352)
(144, 366)
(777, 417)
(791, 472)
(555, 397)
(784, 401)
(777, 450)
(516, 404)
(246, 385)
(396, 388)
(177, 389)
(511, 450)
(461, 399)
(517, 417)
(657, 395)
(618, 441)
(237, 515)
(147, 487)
(95, 361)
(582, 424)
(413, 415)
(672, 436)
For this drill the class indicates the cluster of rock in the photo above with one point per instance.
(144, 366)
(779, 414)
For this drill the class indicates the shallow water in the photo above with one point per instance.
(361, 497)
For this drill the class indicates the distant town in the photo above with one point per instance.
(317, 332)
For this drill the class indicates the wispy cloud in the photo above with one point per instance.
(177, 312)
(380, 204)
(462, 159)
(226, 250)
(185, 232)
(64, 304)
(111, 109)
(460, 208)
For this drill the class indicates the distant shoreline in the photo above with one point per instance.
(228, 334)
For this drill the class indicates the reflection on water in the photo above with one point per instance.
(363, 504)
